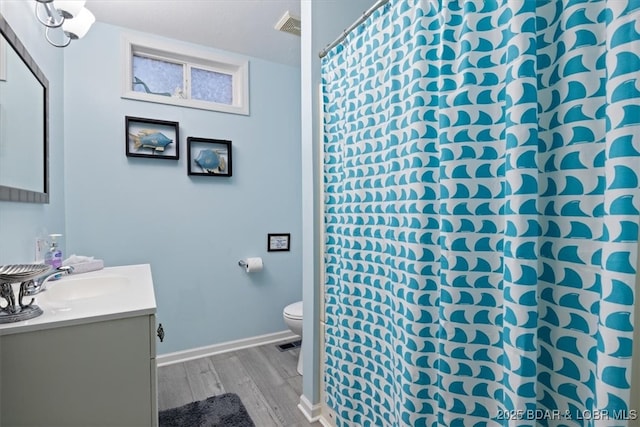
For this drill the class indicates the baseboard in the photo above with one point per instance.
(197, 353)
(311, 412)
(322, 420)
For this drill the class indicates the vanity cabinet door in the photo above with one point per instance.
(153, 371)
(92, 374)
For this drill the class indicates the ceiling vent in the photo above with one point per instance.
(289, 24)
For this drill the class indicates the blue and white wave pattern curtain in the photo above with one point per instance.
(481, 213)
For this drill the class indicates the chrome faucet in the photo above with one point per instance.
(37, 285)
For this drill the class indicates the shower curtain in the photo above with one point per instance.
(481, 197)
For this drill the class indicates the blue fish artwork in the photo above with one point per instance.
(150, 139)
(211, 161)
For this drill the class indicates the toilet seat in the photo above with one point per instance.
(293, 311)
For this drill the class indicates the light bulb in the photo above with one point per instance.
(77, 27)
(69, 8)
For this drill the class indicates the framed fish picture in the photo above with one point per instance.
(209, 157)
(157, 139)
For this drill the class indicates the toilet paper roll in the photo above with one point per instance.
(253, 264)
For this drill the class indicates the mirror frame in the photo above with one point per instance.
(14, 194)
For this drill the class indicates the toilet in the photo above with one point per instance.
(293, 318)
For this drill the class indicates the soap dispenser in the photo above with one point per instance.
(53, 257)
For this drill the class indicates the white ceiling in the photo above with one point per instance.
(241, 26)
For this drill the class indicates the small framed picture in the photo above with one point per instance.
(278, 242)
(209, 157)
(157, 139)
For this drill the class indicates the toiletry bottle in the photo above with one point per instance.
(53, 257)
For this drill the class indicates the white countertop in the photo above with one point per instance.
(107, 294)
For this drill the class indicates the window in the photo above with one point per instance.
(156, 72)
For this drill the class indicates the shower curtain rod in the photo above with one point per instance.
(364, 16)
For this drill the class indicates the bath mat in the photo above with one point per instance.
(224, 410)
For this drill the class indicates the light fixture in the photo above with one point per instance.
(71, 15)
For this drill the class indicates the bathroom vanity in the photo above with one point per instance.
(89, 359)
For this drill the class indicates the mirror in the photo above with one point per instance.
(24, 123)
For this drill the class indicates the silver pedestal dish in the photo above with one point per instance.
(15, 310)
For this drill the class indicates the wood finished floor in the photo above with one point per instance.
(264, 378)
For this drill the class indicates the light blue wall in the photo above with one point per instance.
(192, 230)
(21, 223)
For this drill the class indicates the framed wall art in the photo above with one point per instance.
(157, 139)
(278, 242)
(209, 157)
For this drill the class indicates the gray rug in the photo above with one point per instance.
(225, 410)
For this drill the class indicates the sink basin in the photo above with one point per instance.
(108, 294)
(70, 289)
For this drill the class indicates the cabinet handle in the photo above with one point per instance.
(160, 332)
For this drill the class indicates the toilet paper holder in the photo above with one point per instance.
(252, 264)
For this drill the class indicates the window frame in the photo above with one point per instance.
(188, 57)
